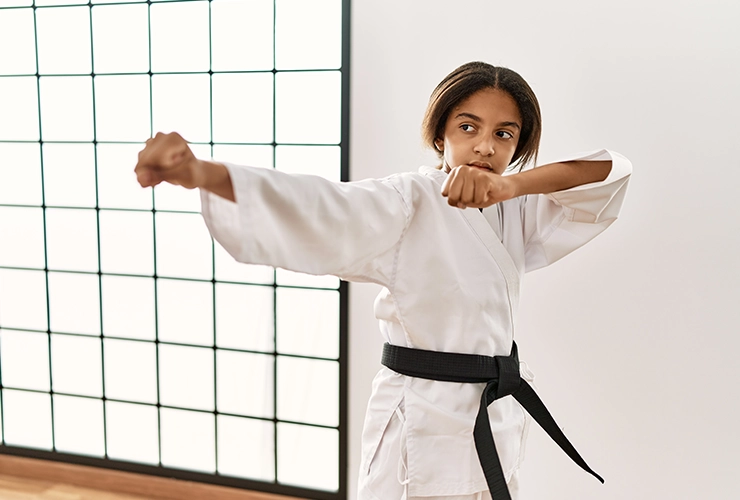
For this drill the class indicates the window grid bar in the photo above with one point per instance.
(213, 245)
(173, 407)
(342, 289)
(172, 278)
(273, 144)
(90, 4)
(137, 210)
(97, 221)
(180, 344)
(46, 256)
(274, 272)
(154, 243)
(211, 72)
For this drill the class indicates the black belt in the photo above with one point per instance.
(501, 376)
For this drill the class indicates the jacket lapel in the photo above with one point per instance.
(490, 239)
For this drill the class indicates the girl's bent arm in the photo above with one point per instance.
(470, 186)
(559, 176)
(566, 218)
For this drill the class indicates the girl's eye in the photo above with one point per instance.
(505, 135)
(467, 127)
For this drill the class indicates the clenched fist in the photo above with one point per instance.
(168, 158)
(476, 187)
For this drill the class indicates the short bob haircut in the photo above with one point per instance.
(469, 79)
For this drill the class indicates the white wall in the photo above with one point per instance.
(634, 338)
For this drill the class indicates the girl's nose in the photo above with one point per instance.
(484, 147)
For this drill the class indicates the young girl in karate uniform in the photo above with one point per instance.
(448, 244)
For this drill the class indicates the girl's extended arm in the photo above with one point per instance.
(168, 158)
(301, 223)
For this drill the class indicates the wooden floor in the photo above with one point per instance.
(16, 488)
(29, 479)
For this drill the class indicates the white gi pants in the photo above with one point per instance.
(387, 481)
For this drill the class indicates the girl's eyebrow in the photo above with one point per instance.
(510, 124)
(468, 115)
(475, 118)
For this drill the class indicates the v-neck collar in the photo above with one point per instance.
(480, 225)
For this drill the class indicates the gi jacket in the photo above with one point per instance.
(450, 281)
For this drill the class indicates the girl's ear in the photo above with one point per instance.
(439, 145)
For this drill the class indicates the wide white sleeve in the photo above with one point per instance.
(308, 224)
(558, 223)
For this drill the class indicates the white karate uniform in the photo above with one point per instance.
(450, 281)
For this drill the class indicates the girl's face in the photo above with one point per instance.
(482, 131)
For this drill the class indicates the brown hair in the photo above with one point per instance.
(469, 79)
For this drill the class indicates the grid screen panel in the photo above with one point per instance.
(128, 338)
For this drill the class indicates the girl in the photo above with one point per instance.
(449, 246)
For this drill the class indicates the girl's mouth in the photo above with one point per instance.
(481, 164)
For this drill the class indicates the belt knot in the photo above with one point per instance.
(508, 375)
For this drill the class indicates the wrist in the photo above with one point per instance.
(514, 184)
(215, 177)
(208, 174)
